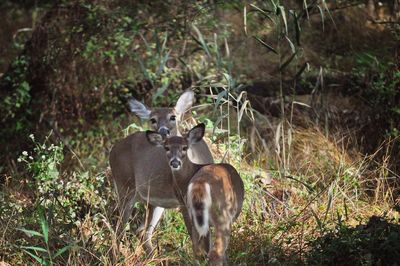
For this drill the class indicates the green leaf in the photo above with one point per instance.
(161, 90)
(45, 228)
(262, 11)
(266, 45)
(296, 27)
(245, 19)
(276, 10)
(330, 199)
(144, 70)
(34, 248)
(265, 13)
(242, 109)
(213, 85)
(322, 17)
(162, 63)
(298, 74)
(164, 44)
(217, 53)
(38, 259)
(201, 40)
(282, 11)
(292, 47)
(223, 94)
(319, 222)
(30, 232)
(310, 188)
(287, 62)
(329, 12)
(62, 250)
(229, 79)
(219, 120)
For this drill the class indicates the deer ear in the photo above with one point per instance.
(139, 108)
(154, 138)
(196, 134)
(184, 102)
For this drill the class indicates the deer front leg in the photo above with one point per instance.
(151, 221)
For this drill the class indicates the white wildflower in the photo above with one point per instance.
(25, 153)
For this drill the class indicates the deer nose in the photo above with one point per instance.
(175, 164)
(164, 131)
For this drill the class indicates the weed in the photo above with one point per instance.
(43, 254)
(21, 90)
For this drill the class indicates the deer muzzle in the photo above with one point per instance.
(164, 131)
(175, 164)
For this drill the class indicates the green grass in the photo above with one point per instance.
(298, 228)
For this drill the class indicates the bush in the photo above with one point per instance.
(376, 243)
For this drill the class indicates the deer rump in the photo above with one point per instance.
(211, 198)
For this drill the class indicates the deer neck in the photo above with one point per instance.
(183, 176)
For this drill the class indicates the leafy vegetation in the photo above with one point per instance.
(306, 109)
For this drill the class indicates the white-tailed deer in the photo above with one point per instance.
(140, 171)
(213, 193)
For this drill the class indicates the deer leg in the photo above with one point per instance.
(207, 242)
(217, 254)
(125, 206)
(125, 209)
(194, 236)
(155, 214)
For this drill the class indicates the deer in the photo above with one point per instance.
(212, 193)
(140, 171)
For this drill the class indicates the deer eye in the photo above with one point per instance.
(153, 120)
(172, 118)
(166, 148)
(185, 148)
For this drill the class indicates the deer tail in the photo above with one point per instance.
(199, 201)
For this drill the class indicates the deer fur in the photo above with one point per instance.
(140, 171)
(213, 193)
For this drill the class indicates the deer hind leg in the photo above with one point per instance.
(217, 255)
(206, 242)
(194, 236)
(152, 219)
(125, 204)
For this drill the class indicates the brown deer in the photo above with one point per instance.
(140, 171)
(213, 193)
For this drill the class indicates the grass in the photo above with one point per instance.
(304, 215)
